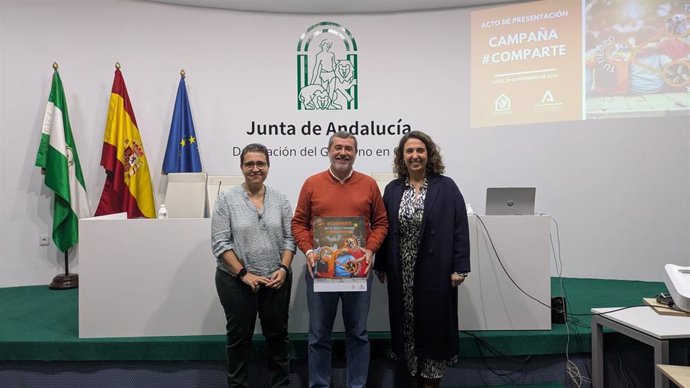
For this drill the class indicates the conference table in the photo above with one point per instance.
(155, 277)
(643, 324)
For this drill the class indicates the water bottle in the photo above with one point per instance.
(162, 212)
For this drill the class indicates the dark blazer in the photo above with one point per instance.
(444, 249)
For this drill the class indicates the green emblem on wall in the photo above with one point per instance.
(327, 68)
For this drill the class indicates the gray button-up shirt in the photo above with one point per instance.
(257, 237)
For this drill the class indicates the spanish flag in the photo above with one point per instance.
(128, 183)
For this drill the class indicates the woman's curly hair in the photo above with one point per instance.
(434, 165)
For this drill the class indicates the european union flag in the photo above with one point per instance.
(182, 153)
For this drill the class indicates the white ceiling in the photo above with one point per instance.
(335, 6)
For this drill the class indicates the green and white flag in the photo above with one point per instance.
(57, 156)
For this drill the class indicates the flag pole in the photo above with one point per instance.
(66, 280)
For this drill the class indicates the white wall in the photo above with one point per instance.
(619, 189)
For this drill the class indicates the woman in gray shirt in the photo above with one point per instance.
(253, 245)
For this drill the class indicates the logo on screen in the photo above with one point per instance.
(327, 68)
(548, 103)
(502, 104)
(548, 97)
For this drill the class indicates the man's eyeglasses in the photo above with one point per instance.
(251, 165)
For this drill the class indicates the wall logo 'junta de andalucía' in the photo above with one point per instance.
(327, 68)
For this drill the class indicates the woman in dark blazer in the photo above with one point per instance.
(425, 257)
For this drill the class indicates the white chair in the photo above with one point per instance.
(218, 183)
(382, 179)
(185, 196)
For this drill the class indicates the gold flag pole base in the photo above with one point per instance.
(65, 281)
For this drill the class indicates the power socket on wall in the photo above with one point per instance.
(43, 240)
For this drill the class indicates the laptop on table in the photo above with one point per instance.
(510, 201)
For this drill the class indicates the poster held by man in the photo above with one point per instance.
(341, 264)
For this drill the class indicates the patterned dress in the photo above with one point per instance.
(411, 213)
